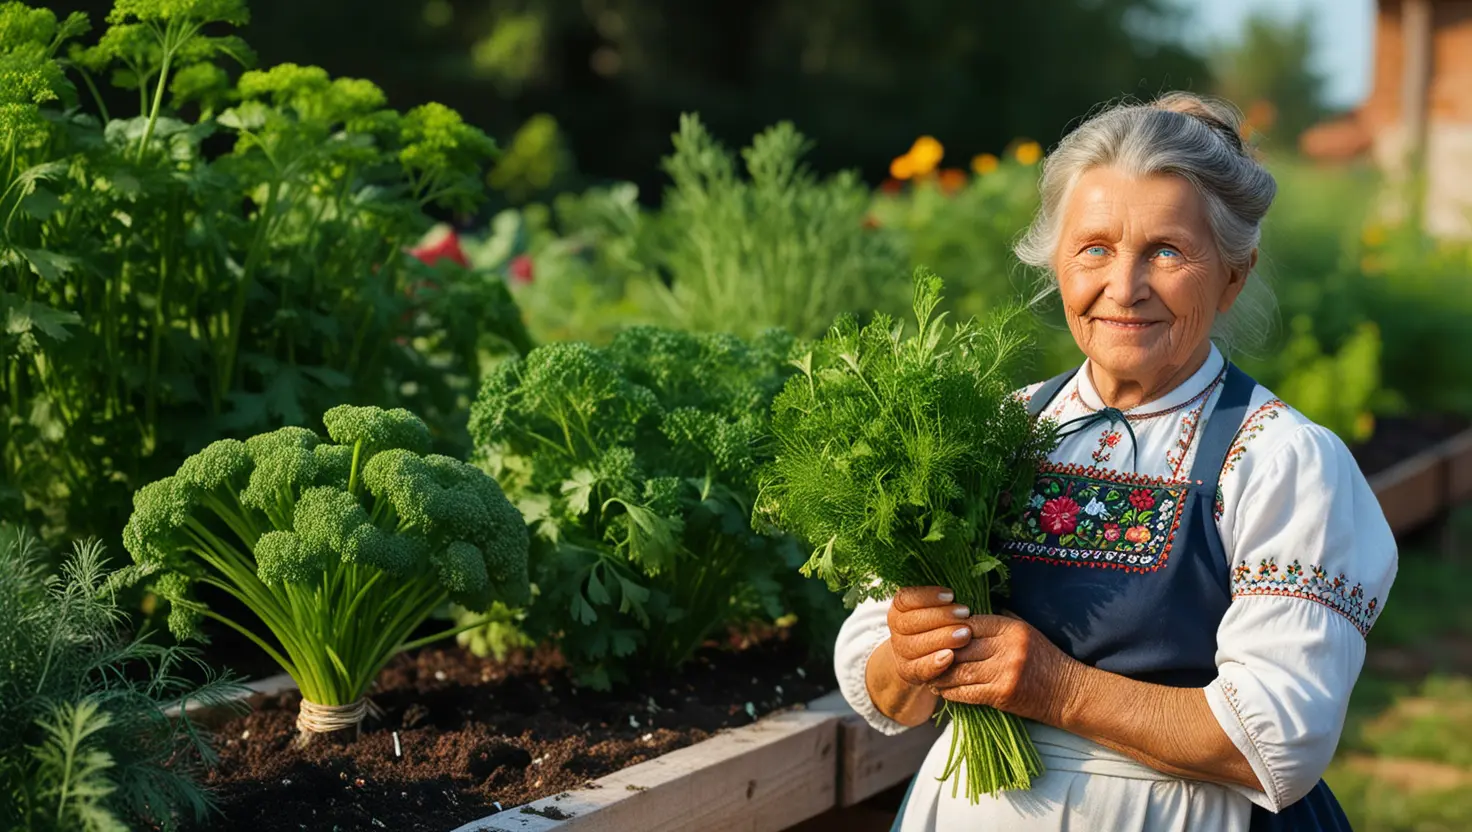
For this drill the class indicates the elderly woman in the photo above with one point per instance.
(1199, 563)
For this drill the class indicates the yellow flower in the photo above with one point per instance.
(1372, 264)
(1373, 236)
(1029, 153)
(985, 163)
(903, 167)
(926, 154)
(1364, 426)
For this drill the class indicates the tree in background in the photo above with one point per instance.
(1269, 74)
(862, 78)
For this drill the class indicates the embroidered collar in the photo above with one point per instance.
(1186, 394)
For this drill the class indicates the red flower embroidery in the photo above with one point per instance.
(1059, 516)
(446, 247)
(1111, 532)
(1137, 534)
(521, 268)
(1111, 439)
(1142, 499)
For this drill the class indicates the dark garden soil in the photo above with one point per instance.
(1398, 438)
(473, 732)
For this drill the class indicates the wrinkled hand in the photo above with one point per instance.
(925, 630)
(1012, 667)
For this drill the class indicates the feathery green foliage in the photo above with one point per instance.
(894, 459)
(86, 742)
(634, 466)
(341, 548)
(782, 248)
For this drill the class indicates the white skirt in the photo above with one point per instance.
(1086, 788)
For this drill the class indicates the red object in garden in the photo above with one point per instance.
(446, 248)
(520, 268)
(892, 186)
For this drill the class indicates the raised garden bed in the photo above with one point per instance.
(476, 733)
(508, 747)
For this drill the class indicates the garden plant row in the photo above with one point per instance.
(232, 352)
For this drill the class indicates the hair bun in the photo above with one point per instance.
(1223, 118)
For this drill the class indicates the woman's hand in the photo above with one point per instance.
(925, 630)
(1012, 667)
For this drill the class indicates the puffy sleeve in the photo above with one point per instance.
(1312, 561)
(866, 628)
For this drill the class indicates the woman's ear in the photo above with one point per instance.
(1236, 282)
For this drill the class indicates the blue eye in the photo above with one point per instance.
(1096, 251)
(1168, 251)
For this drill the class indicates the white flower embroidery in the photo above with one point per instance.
(1166, 505)
(1094, 508)
(1036, 501)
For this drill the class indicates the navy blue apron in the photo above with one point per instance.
(1128, 574)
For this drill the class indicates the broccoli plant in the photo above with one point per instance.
(633, 464)
(340, 548)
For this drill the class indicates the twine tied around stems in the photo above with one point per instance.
(312, 718)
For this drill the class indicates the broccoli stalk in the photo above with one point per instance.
(341, 549)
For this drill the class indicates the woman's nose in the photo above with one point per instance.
(1127, 281)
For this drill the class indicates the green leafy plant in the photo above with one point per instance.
(633, 465)
(87, 737)
(340, 548)
(894, 458)
(778, 248)
(225, 260)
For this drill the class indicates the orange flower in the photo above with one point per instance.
(926, 154)
(952, 180)
(1029, 153)
(1260, 117)
(902, 168)
(985, 163)
(870, 222)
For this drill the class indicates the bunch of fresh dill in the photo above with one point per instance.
(895, 457)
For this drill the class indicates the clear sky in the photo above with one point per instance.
(1343, 34)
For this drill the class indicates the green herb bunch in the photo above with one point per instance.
(340, 548)
(894, 458)
(225, 259)
(634, 465)
(87, 740)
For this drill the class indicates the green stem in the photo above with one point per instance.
(450, 633)
(158, 93)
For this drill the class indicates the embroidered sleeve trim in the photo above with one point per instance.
(1252, 426)
(1313, 584)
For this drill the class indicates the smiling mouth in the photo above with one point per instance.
(1121, 323)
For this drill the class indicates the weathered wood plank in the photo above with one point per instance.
(873, 762)
(763, 777)
(1414, 491)
(1459, 467)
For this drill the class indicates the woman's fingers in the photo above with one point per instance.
(968, 694)
(917, 597)
(924, 670)
(951, 637)
(925, 619)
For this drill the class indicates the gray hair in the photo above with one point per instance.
(1192, 137)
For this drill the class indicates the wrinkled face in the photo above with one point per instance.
(1140, 277)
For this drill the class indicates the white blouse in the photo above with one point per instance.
(1311, 562)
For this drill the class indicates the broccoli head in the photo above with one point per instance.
(304, 530)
